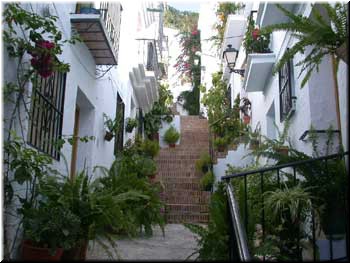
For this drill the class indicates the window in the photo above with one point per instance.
(46, 116)
(150, 57)
(285, 90)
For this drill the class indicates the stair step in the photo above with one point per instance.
(186, 208)
(181, 186)
(187, 197)
(187, 218)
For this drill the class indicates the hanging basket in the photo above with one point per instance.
(109, 136)
(342, 52)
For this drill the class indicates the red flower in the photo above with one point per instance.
(45, 44)
(194, 32)
(256, 33)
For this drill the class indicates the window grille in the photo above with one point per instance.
(285, 89)
(46, 116)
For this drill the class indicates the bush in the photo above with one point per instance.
(130, 124)
(150, 148)
(171, 135)
(203, 164)
(207, 181)
(220, 142)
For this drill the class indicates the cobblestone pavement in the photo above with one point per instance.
(177, 244)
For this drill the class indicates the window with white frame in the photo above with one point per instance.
(285, 90)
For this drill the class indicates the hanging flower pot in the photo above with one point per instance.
(32, 253)
(282, 150)
(109, 136)
(246, 119)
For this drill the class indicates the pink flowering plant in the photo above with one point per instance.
(42, 42)
(256, 41)
(185, 63)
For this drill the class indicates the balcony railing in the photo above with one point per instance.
(100, 30)
(304, 239)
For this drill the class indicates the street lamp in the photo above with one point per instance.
(230, 54)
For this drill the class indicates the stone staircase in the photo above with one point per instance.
(185, 201)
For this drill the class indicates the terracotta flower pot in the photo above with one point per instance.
(246, 119)
(32, 253)
(76, 253)
(109, 136)
(172, 145)
(283, 150)
(221, 148)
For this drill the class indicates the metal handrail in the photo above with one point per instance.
(241, 237)
(280, 166)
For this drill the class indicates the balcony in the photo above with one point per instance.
(269, 13)
(100, 30)
(145, 87)
(259, 67)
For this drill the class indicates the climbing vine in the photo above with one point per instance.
(33, 43)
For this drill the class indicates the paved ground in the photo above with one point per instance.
(177, 244)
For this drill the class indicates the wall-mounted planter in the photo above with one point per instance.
(259, 68)
(246, 119)
(109, 136)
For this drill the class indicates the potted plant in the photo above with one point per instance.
(220, 143)
(203, 163)
(246, 119)
(256, 41)
(207, 181)
(150, 148)
(112, 126)
(171, 136)
(130, 125)
(147, 167)
(48, 226)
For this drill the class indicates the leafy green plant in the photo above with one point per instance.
(130, 124)
(256, 41)
(129, 173)
(220, 143)
(150, 148)
(203, 163)
(160, 111)
(51, 225)
(113, 126)
(289, 208)
(207, 181)
(213, 241)
(322, 36)
(223, 11)
(171, 135)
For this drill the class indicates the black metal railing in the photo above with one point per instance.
(308, 242)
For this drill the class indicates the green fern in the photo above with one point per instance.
(324, 37)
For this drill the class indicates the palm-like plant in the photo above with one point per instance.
(325, 34)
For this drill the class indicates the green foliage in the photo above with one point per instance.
(207, 181)
(160, 111)
(223, 11)
(223, 120)
(191, 100)
(171, 135)
(181, 20)
(322, 36)
(203, 163)
(129, 173)
(150, 148)
(51, 225)
(220, 142)
(213, 240)
(130, 124)
(113, 126)
(256, 41)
